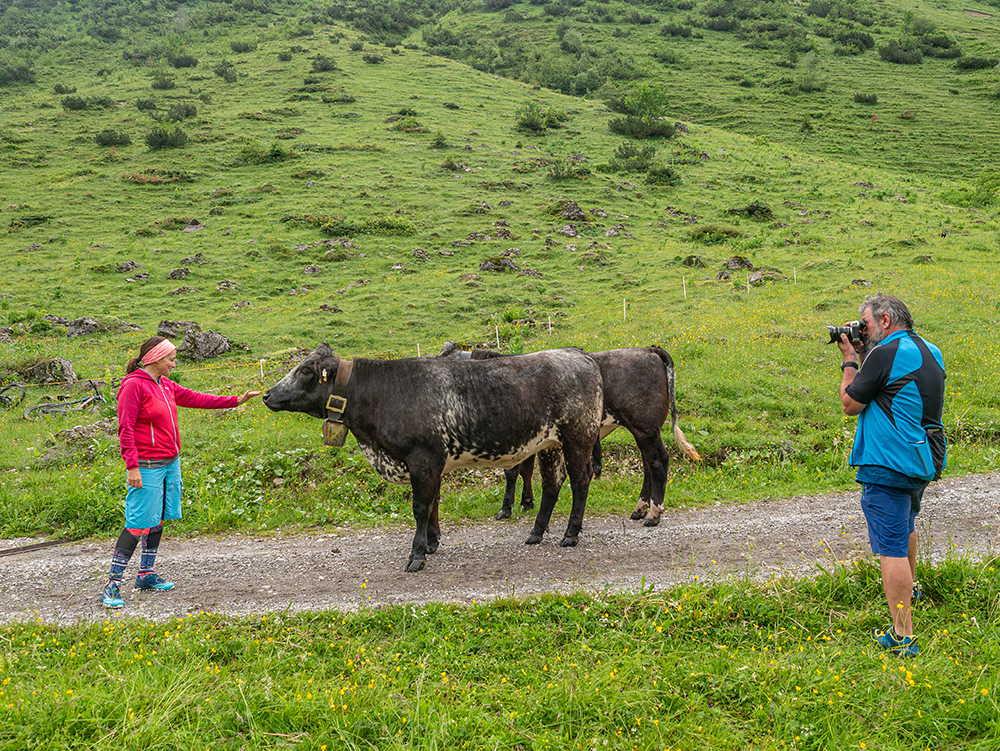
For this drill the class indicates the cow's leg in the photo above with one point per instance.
(552, 469)
(527, 469)
(580, 471)
(425, 480)
(655, 462)
(434, 526)
(509, 490)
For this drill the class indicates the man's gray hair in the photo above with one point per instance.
(896, 308)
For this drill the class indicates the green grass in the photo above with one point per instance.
(734, 664)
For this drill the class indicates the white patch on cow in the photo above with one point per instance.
(469, 457)
(387, 468)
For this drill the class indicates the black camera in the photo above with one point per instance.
(855, 331)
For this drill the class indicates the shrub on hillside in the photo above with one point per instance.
(675, 30)
(242, 46)
(254, 153)
(178, 112)
(631, 158)
(976, 63)
(323, 64)
(111, 137)
(74, 103)
(372, 59)
(661, 174)
(62, 90)
(284, 56)
(162, 83)
(866, 98)
(226, 71)
(530, 117)
(183, 61)
(15, 72)
(633, 126)
(145, 105)
(164, 138)
(895, 53)
(722, 23)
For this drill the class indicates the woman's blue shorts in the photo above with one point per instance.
(159, 497)
(890, 513)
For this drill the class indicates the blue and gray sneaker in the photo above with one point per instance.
(901, 646)
(918, 592)
(111, 597)
(152, 582)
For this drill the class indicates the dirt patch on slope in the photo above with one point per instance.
(347, 569)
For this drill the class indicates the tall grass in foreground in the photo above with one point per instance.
(736, 665)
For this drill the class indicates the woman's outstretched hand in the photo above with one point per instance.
(247, 397)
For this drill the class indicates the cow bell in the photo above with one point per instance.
(334, 433)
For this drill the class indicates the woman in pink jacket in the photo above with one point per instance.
(150, 444)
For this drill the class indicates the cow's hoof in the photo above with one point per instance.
(415, 564)
(527, 505)
(533, 539)
(504, 514)
(638, 514)
(432, 546)
(653, 521)
(568, 542)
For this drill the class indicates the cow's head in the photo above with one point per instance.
(309, 385)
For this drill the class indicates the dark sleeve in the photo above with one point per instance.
(874, 374)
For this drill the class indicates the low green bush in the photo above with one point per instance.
(866, 98)
(166, 138)
(242, 46)
(61, 90)
(976, 63)
(183, 61)
(631, 158)
(635, 126)
(323, 64)
(111, 137)
(162, 83)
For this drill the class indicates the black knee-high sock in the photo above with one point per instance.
(121, 554)
(150, 542)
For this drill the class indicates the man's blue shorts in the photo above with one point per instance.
(890, 513)
(159, 497)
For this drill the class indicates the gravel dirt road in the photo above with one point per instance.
(347, 569)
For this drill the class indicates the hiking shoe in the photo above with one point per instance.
(901, 646)
(152, 582)
(111, 597)
(918, 592)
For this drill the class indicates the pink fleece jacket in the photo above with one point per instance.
(147, 415)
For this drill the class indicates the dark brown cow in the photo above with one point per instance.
(638, 396)
(418, 418)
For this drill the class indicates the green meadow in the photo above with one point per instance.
(386, 177)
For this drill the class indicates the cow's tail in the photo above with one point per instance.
(682, 441)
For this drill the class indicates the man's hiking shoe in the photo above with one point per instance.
(111, 597)
(152, 582)
(918, 592)
(901, 646)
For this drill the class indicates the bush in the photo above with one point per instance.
(178, 112)
(894, 53)
(255, 153)
(162, 83)
(163, 138)
(110, 137)
(226, 71)
(60, 89)
(145, 105)
(372, 59)
(15, 73)
(675, 30)
(630, 158)
(74, 103)
(976, 63)
(866, 98)
(243, 46)
(284, 56)
(357, 46)
(662, 174)
(323, 64)
(633, 126)
(530, 117)
(183, 61)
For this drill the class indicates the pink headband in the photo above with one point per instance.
(158, 352)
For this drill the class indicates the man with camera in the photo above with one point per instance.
(899, 446)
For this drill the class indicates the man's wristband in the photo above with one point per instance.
(849, 364)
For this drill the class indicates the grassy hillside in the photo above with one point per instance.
(384, 199)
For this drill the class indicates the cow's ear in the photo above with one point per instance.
(323, 350)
